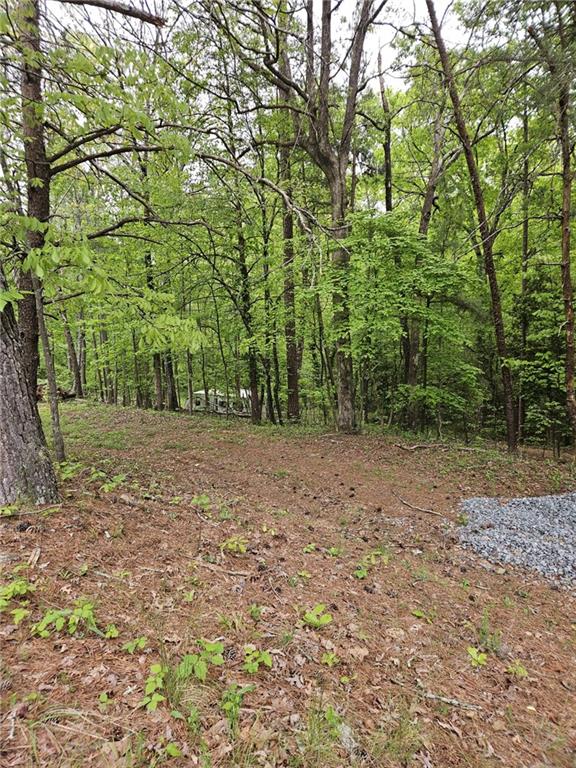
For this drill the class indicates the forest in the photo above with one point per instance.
(285, 286)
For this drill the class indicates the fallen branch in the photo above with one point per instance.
(438, 446)
(416, 509)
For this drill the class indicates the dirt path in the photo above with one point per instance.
(155, 542)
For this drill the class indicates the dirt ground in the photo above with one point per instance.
(177, 529)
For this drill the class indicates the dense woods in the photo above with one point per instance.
(349, 214)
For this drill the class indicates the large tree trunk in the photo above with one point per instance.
(486, 234)
(26, 471)
(37, 173)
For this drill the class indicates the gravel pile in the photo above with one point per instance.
(536, 532)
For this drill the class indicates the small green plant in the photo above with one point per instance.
(111, 631)
(138, 644)
(427, 616)
(255, 612)
(477, 657)
(254, 658)
(113, 483)
(361, 572)
(236, 545)
(225, 514)
(8, 510)
(334, 551)
(14, 589)
(154, 685)
(69, 469)
(309, 548)
(517, 669)
(330, 659)
(380, 554)
(172, 750)
(72, 619)
(103, 701)
(490, 641)
(231, 703)
(19, 614)
(233, 622)
(197, 664)
(317, 617)
(202, 501)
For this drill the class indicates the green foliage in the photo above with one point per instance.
(488, 640)
(14, 589)
(477, 657)
(317, 617)
(517, 669)
(235, 545)
(138, 644)
(73, 620)
(231, 704)
(330, 659)
(254, 658)
(154, 685)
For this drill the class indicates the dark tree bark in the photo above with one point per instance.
(486, 234)
(26, 471)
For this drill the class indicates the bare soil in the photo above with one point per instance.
(158, 553)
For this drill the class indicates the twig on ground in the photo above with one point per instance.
(415, 508)
(219, 569)
(452, 702)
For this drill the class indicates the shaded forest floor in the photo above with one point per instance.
(177, 529)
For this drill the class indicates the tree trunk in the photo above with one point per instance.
(157, 363)
(26, 471)
(486, 234)
(72, 358)
(171, 391)
(346, 416)
(50, 373)
(292, 361)
(567, 290)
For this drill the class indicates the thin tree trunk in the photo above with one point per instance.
(50, 373)
(292, 361)
(346, 415)
(189, 382)
(485, 232)
(72, 357)
(387, 137)
(171, 392)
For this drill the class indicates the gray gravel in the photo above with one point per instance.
(536, 532)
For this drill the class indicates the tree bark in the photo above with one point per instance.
(37, 174)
